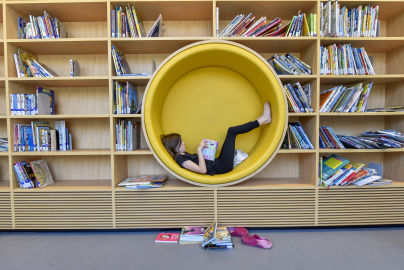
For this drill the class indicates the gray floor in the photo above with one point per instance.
(352, 248)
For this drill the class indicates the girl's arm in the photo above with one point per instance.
(192, 166)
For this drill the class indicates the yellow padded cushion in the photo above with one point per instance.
(200, 91)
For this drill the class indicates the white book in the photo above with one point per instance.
(367, 180)
(217, 21)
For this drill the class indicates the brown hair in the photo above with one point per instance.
(171, 142)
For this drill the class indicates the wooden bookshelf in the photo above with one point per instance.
(284, 194)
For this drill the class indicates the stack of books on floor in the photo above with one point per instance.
(27, 65)
(289, 64)
(338, 171)
(247, 26)
(41, 27)
(42, 136)
(40, 103)
(296, 137)
(387, 109)
(380, 139)
(345, 98)
(299, 97)
(217, 237)
(143, 182)
(34, 174)
(343, 59)
(191, 235)
(125, 22)
(126, 99)
(3, 145)
(348, 22)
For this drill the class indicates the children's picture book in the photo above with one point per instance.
(209, 152)
(333, 164)
(43, 177)
(167, 238)
(191, 235)
(46, 101)
(209, 234)
(216, 237)
(143, 179)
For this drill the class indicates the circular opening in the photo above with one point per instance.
(200, 91)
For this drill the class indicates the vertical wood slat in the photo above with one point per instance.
(361, 206)
(63, 210)
(164, 209)
(5, 211)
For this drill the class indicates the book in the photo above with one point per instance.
(74, 68)
(167, 238)
(332, 164)
(158, 28)
(209, 152)
(191, 235)
(144, 179)
(209, 234)
(45, 101)
(216, 237)
(43, 176)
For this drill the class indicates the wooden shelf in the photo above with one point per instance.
(60, 116)
(137, 80)
(127, 116)
(72, 185)
(294, 114)
(299, 78)
(3, 154)
(275, 44)
(350, 79)
(133, 153)
(376, 114)
(395, 150)
(74, 152)
(296, 151)
(371, 45)
(62, 46)
(63, 81)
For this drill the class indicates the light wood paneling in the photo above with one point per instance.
(5, 211)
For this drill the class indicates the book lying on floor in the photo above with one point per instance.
(217, 237)
(191, 235)
(167, 238)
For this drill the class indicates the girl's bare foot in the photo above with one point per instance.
(265, 118)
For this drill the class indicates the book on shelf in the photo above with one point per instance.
(126, 98)
(125, 22)
(247, 26)
(296, 137)
(360, 21)
(41, 27)
(299, 97)
(34, 174)
(387, 109)
(128, 134)
(289, 64)
(167, 238)
(217, 237)
(344, 59)
(27, 65)
(74, 68)
(350, 172)
(158, 28)
(143, 180)
(40, 103)
(191, 235)
(42, 136)
(3, 144)
(209, 151)
(345, 98)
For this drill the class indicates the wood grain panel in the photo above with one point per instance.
(5, 211)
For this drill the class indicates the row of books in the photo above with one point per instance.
(380, 139)
(42, 136)
(41, 27)
(248, 26)
(121, 66)
(127, 135)
(299, 97)
(34, 174)
(345, 98)
(348, 22)
(387, 109)
(289, 64)
(3, 145)
(40, 103)
(126, 99)
(343, 59)
(143, 182)
(296, 137)
(27, 65)
(338, 171)
(125, 22)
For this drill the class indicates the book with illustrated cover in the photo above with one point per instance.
(191, 235)
(216, 237)
(167, 238)
(144, 179)
(332, 164)
(45, 101)
(43, 177)
(158, 28)
(209, 152)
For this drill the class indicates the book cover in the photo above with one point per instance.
(209, 234)
(45, 101)
(333, 164)
(209, 152)
(142, 179)
(42, 173)
(191, 235)
(167, 238)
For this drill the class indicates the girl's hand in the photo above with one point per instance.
(203, 144)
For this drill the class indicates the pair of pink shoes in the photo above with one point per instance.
(250, 240)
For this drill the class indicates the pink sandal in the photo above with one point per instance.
(237, 231)
(256, 241)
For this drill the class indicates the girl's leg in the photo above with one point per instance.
(224, 163)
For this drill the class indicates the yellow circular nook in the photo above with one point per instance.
(204, 88)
